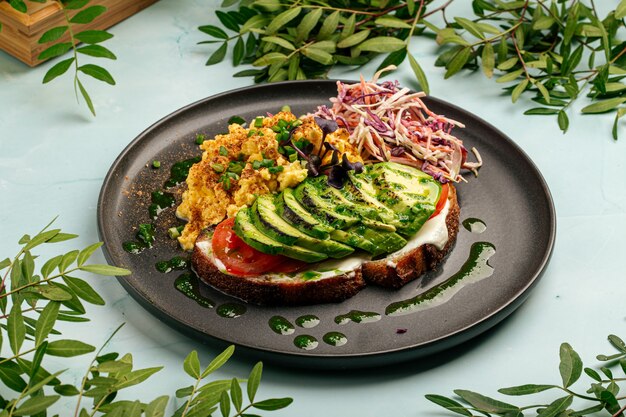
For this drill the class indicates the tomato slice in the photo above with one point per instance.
(443, 197)
(241, 259)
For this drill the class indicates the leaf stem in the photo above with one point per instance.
(73, 41)
(17, 355)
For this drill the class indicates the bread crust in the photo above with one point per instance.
(394, 272)
(391, 272)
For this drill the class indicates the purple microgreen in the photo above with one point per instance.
(337, 176)
(357, 167)
(313, 166)
(398, 151)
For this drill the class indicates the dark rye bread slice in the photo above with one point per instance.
(266, 291)
(390, 272)
(394, 272)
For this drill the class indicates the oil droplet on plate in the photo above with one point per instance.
(231, 310)
(281, 325)
(335, 339)
(188, 284)
(305, 342)
(474, 225)
(308, 321)
(357, 316)
(473, 270)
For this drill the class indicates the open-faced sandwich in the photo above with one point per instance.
(290, 211)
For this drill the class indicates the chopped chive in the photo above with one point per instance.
(223, 151)
(235, 167)
(237, 120)
(174, 232)
(275, 170)
(282, 123)
(258, 122)
(293, 157)
(256, 164)
(251, 132)
(260, 133)
(200, 138)
(217, 167)
(276, 128)
(286, 107)
(156, 164)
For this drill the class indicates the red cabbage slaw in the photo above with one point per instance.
(389, 123)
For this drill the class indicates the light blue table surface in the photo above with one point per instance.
(54, 156)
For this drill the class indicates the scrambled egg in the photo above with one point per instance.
(212, 193)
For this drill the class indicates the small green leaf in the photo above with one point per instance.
(10, 376)
(53, 34)
(508, 64)
(66, 390)
(470, 26)
(620, 113)
(273, 404)
(136, 377)
(382, 44)
(392, 22)
(488, 59)
(96, 51)
(86, 253)
(254, 380)
(604, 105)
(67, 348)
(218, 55)
(227, 20)
(213, 31)
(54, 51)
(61, 237)
(239, 51)
(510, 76)
(308, 22)
(85, 95)
(563, 121)
(219, 360)
(329, 26)
(191, 365)
(34, 387)
(93, 36)
(16, 328)
(620, 11)
(279, 41)
(348, 27)
(593, 374)
(556, 407)
(45, 323)
(83, 290)
(156, 408)
(458, 62)
(525, 389)
(269, 59)
(35, 405)
(354, 39)
(37, 359)
(519, 89)
(449, 404)
(75, 4)
(97, 72)
(88, 15)
(106, 270)
(419, 74)
(544, 91)
(282, 19)
(225, 404)
(487, 404)
(318, 55)
(570, 366)
(235, 393)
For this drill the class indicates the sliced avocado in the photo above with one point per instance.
(355, 240)
(323, 208)
(409, 192)
(265, 218)
(246, 230)
(359, 190)
(384, 242)
(291, 210)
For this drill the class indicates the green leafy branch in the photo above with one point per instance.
(551, 50)
(602, 394)
(81, 14)
(33, 302)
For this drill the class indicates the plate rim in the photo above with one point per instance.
(459, 336)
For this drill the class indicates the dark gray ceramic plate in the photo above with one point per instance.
(510, 197)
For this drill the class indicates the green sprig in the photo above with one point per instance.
(602, 394)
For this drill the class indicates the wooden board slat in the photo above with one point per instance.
(21, 31)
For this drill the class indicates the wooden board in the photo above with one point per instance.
(21, 31)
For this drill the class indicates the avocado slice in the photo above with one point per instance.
(265, 218)
(246, 230)
(291, 210)
(323, 208)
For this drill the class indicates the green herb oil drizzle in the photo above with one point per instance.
(189, 285)
(473, 270)
(231, 310)
(305, 342)
(474, 225)
(180, 171)
(308, 321)
(281, 325)
(177, 263)
(357, 316)
(335, 339)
